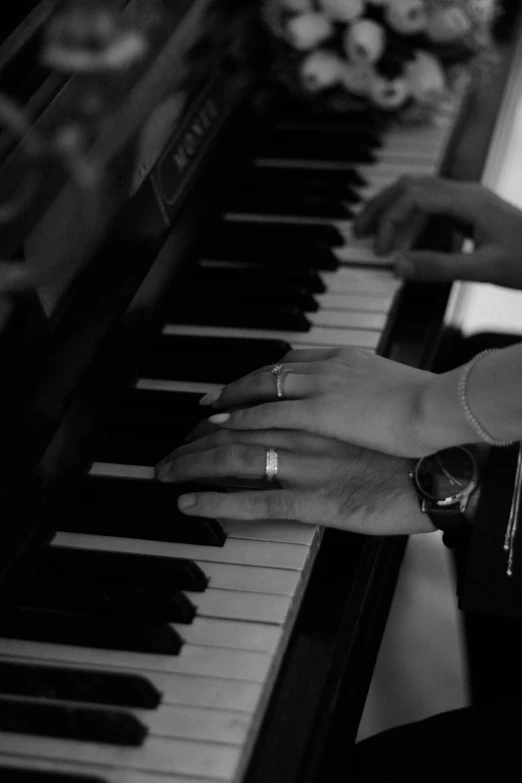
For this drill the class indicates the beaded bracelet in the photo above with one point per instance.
(464, 404)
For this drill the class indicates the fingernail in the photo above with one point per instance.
(211, 397)
(186, 501)
(219, 418)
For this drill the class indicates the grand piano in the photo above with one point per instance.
(137, 646)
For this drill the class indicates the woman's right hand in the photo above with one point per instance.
(494, 225)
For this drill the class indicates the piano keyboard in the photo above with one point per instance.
(214, 609)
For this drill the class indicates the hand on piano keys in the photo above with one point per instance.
(494, 225)
(321, 481)
(345, 393)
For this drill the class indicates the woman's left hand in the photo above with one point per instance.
(345, 393)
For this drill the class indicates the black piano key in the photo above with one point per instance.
(18, 775)
(287, 202)
(269, 251)
(332, 178)
(68, 684)
(286, 108)
(249, 295)
(67, 563)
(316, 187)
(251, 231)
(349, 133)
(209, 359)
(357, 149)
(84, 630)
(139, 448)
(146, 425)
(151, 524)
(88, 724)
(175, 412)
(255, 315)
(346, 128)
(252, 275)
(145, 500)
(166, 605)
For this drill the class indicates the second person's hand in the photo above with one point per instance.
(345, 393)
(494, 225)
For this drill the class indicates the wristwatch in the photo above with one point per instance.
(445, 482)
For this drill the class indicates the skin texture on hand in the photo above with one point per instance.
(494, 225)
(320, 481)
(346, 393)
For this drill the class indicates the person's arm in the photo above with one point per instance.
(365, 399)
(493, 393)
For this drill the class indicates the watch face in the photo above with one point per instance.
(447, 474)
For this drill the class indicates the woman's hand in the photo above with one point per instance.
(319, 481)
(347, 394)
(494, 225)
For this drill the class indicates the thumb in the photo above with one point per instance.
(429, 266)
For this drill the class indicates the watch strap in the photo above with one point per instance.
(449, 519)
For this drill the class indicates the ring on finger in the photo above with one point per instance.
(279, 371)
(271, 465)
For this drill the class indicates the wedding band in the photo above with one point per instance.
(271, 465)
(279, 372)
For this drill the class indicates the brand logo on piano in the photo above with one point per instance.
(194, 137)
(182, 155)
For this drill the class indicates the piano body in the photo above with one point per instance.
(137, 647)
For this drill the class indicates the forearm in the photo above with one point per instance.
(494, 395)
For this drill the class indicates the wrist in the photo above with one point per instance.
(440, 422)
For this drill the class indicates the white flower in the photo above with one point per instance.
(448, 24)
(306, 31)
(388, 93)
(342, 10)
(321, 69)
(406, 16)
(299, 6)
(425, 78)
(364, 41)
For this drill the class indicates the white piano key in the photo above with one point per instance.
(195, 723)
(294, 220)
(369, 171)
(210, 692)
(119, 470)
(164, 385)
(106, 774)
(348, 254)
(191, 690)
(236, 605)
(318, 336)
(241, 635)
(404, 155)
(249, 665)
(236, 551)
(273, 530)
(167, 756)
(347, 319)
(393, 170)
(277, 581)
(362, 302)
(354, 280)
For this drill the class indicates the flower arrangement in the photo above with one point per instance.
(395, 55)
